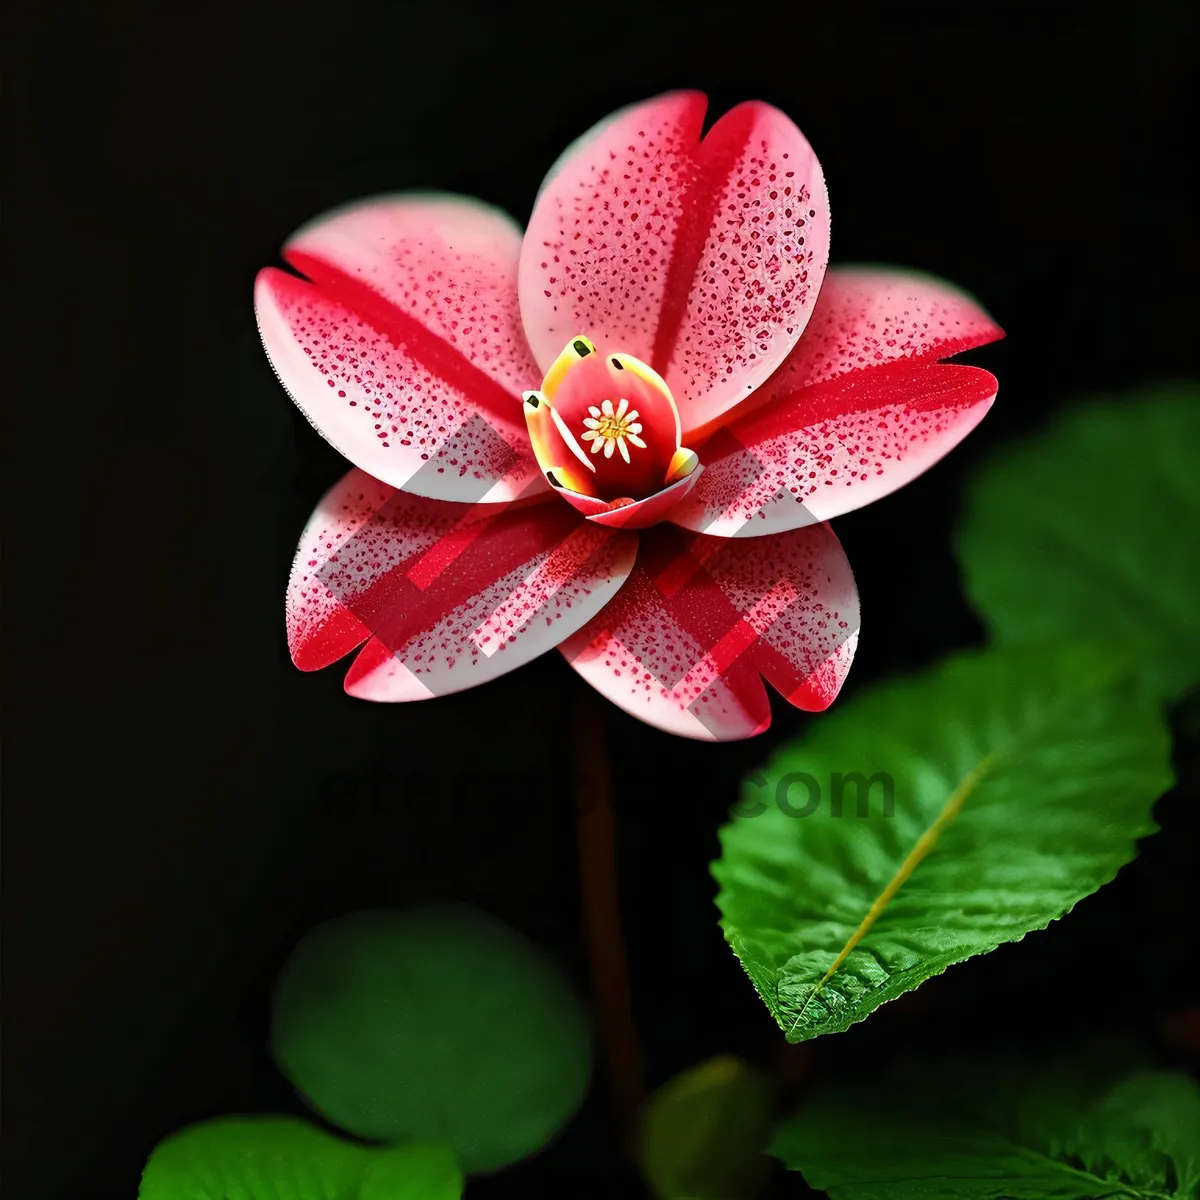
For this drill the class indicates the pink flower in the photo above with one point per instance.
(610, 436)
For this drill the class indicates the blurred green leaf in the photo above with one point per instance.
(1021, 782)
(703, 1133)
(285, 1158)
(436, 1024)
(1089, 530)
(1089, 1126)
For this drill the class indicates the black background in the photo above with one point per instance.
(183, 804)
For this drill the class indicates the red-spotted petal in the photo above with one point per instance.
(700, 621)
(329, 558)
(833, 447)
(404, 346)
(868, 316)
(704, 259)
(454, 594)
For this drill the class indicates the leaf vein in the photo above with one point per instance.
(924, 844)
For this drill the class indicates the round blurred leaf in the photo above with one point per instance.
(704, 1132)
(437, 1024)
(284, 1158)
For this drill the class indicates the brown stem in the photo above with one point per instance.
(602, 915)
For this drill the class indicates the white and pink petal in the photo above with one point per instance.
(868, 316)
(450, 595)
(701, 622)
(833, 447)
(402, 343)
(701, 257)
(329, 561)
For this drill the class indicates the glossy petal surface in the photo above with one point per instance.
(404, 346)
(833, 447)
(703, 258)
(453, 594)
(701, 620)
(641, 514)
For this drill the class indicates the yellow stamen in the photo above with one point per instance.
(576, 349)
(609, 428)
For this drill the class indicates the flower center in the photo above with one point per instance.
(607, 429)
(605, 426)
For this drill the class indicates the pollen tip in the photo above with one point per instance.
(683, 463)
(616, 362)
(553, 481)
(581, 347)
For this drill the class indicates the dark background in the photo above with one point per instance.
(183, 804)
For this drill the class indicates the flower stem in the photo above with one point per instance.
(602, 915)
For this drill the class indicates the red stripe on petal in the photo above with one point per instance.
(427, 350)
(454, 597)
(703, 258)
(832, 448)
(867, 317)
(599, 243)
(404, 346)
(446, 552)
(320, 629)
(701, 620)
(712, 162)
(760, 270)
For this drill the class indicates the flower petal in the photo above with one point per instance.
(867, 316)
(833, 447)
(320, 628)
(563, 463)
(582, 502)
(454, 594)
(641, 514)
(649, 239)
(700, 620)
(403, 345)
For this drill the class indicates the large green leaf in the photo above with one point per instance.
(284, 1158)
(1021, 783)
(1089, 529)
(438, 1024)
(704, 1131)
(1087, 1127)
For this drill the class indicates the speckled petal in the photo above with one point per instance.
(454, 594)
(869, 316)
(320, 628)
(702, 258)
(701, 621)
(833, 447)
(403, 344)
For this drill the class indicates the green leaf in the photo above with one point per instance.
(1021, 782)
(703, 1133)
(285, 1158)
(1085, 1127)
(1089, 530)
(438, 1024)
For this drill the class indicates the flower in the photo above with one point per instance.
(621, 434)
